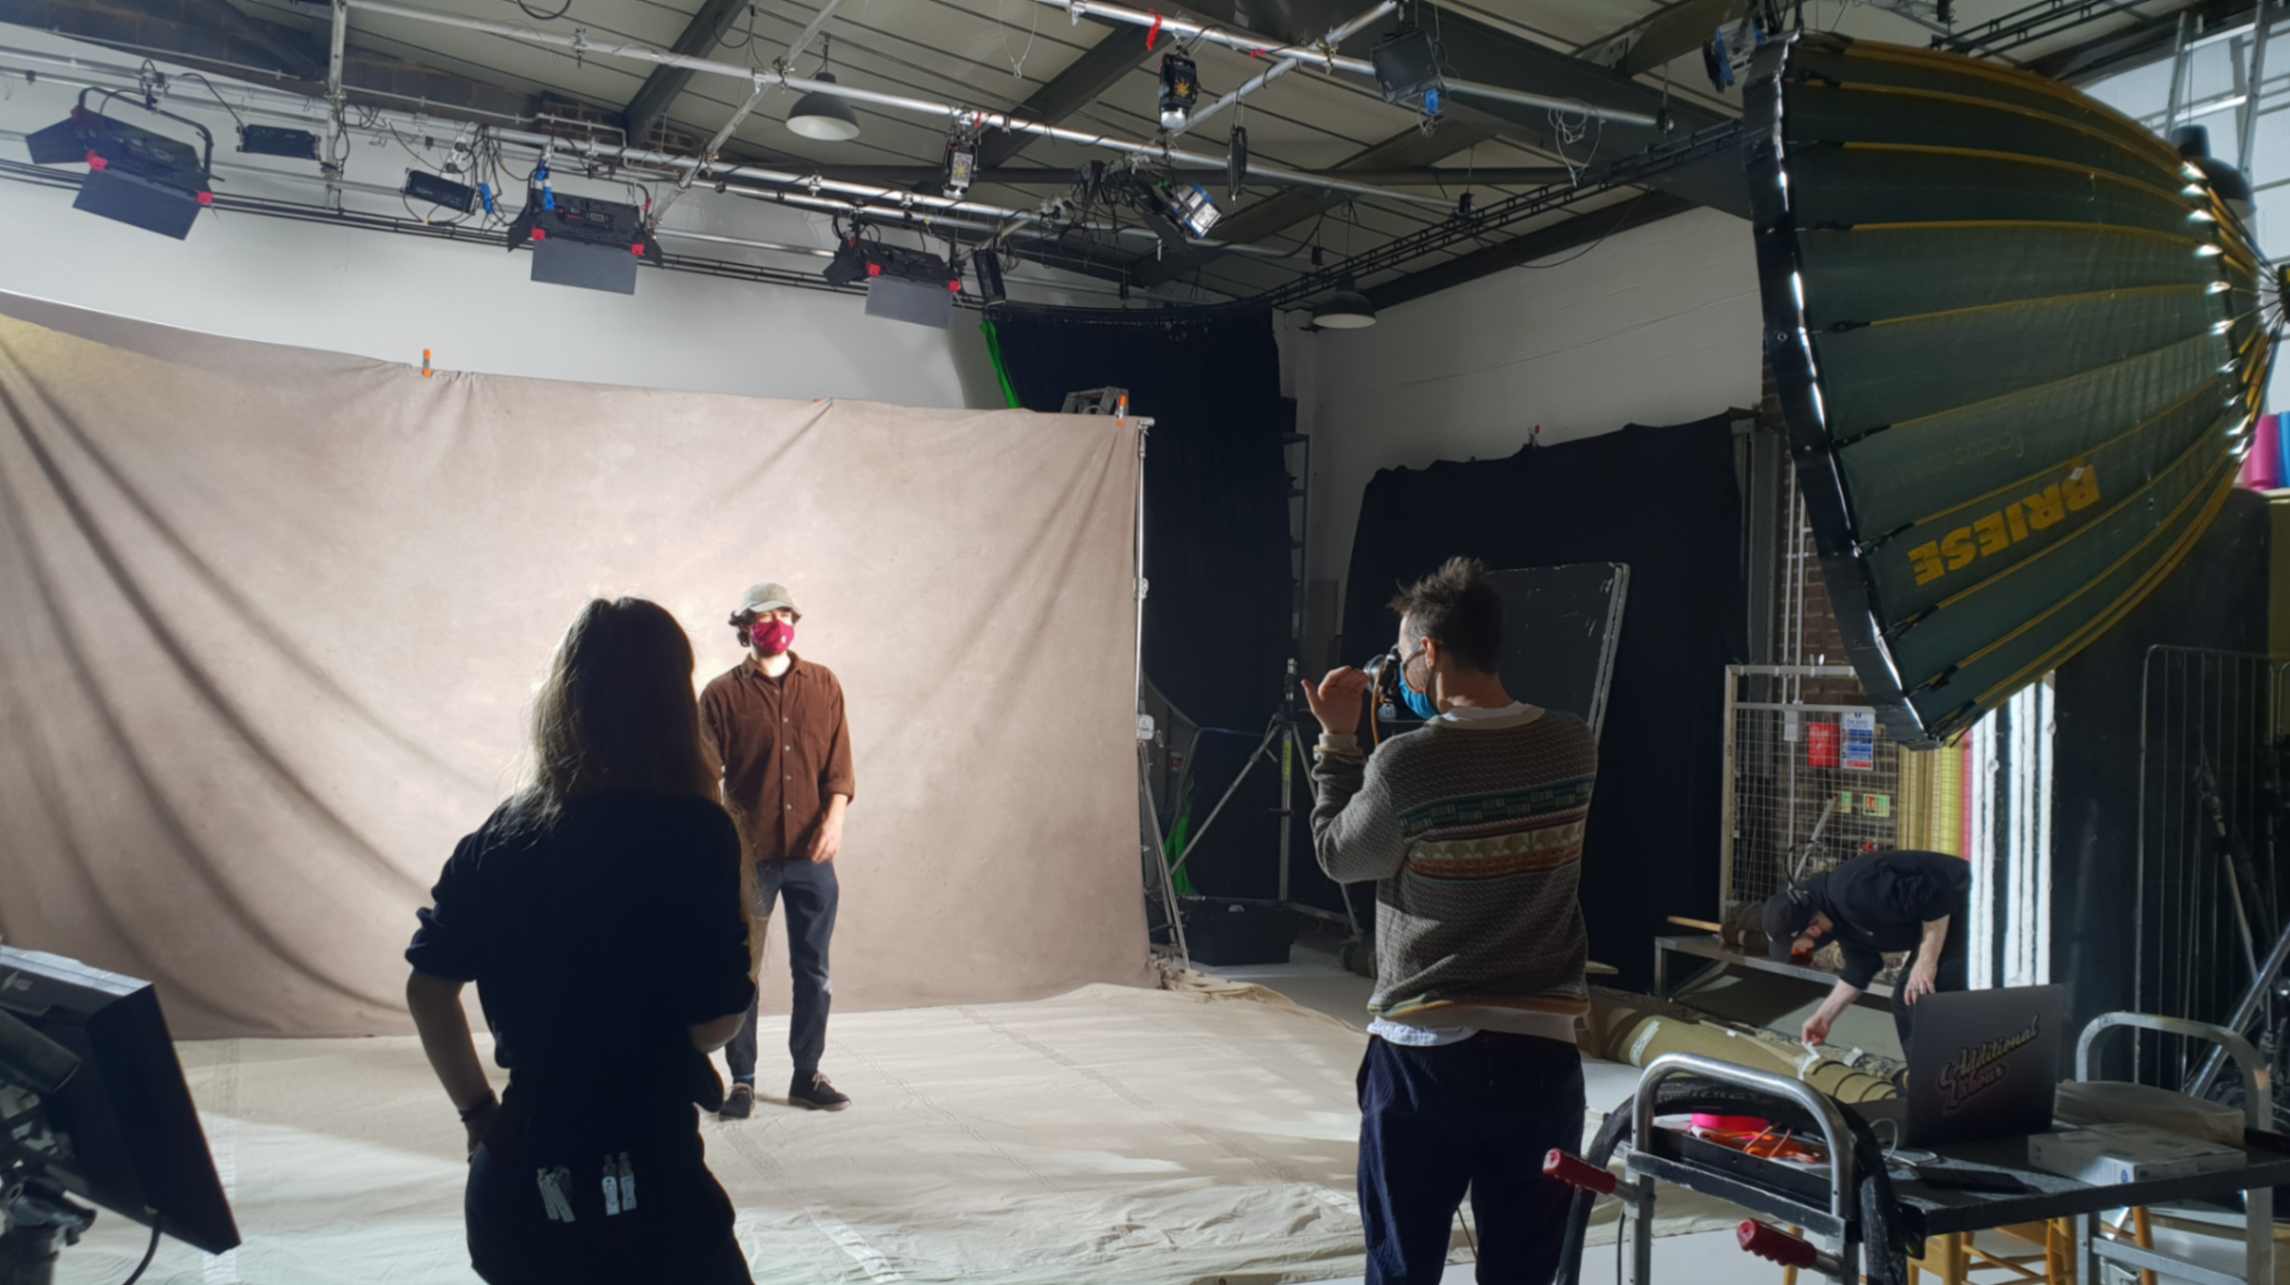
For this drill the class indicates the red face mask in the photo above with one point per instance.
(773, 637)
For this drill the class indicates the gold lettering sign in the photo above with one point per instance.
(1992, 534)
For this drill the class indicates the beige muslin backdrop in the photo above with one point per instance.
(271, 621)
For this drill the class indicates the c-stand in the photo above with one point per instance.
(1282, 729)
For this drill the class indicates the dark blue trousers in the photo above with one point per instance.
(810, 893)
(1477, 1115)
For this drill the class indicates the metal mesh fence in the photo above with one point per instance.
(2214, 815)
(1811, 777)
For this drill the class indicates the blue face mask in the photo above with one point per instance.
(1418, 703)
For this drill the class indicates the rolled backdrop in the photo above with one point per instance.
(275, 619)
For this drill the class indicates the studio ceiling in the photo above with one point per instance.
(1034, 60)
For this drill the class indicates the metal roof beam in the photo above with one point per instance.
(1411, 150)
(1583, 229)
(661, 89)
(1083, 82)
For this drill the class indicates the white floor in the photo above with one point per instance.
(1112, 1134)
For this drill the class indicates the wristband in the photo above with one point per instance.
(487, 1103)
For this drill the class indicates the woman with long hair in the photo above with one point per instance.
(598, 912)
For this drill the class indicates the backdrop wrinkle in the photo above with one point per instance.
(279, 616)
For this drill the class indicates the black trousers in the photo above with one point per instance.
(810, 893)
(680, 1229)
(1479, 1115)
(1952, 975)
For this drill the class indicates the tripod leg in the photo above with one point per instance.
(1256, 756)
(1160, 860)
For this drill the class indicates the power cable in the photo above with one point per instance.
(537, 16)
(149, 1252)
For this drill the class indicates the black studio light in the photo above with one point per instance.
(1180, 88)
(276, 140)
(135, 176)
(1407, 66)
(577, 241)
(2020, 343)
(902, 284)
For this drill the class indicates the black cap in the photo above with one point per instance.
(1786, 914)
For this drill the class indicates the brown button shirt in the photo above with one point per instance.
(784, 748)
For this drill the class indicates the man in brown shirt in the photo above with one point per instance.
(775, 723)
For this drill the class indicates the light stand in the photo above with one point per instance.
(38, 1215)
(1283, 728)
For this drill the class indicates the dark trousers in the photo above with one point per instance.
(1479, 1115)
(809, 892)
(1952, 976)
(680, 1230)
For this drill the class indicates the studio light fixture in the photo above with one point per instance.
(1935, 282)
(594, 245)
(1180, 88)
(1407, 66)
(988, 266)
(823, 116)
(1347, 309)
(902, 284)
(1188, 206)
(961, 163)
(275, 140)
(137, 177)
(439, 191)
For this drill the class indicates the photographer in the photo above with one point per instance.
(1472, 830)
(598, 911)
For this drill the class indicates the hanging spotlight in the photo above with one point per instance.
(1407, 66)
(961, 162)
(1347, 309)
(1183, 210)
(824, 116)
(135, 176)
(1180, 87)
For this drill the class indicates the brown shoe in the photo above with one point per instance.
(816, 1094)
(739, 1103)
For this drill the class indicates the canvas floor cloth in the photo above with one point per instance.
(1109, 1135)
(275, 619)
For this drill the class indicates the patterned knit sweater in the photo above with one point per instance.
(1473, 834)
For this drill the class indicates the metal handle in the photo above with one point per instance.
(1776, 1245)
(1575, 1171)
(1834, 1135)
(2258, 1092)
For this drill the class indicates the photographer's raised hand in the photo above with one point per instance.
(1336, 701)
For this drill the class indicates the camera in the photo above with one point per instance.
(1383, 683)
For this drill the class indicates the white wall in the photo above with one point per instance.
(390, 296)
(1659, 325)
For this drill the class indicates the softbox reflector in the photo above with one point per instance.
(2019, 344)
(139, 202)
(561, 262)
(925, 303)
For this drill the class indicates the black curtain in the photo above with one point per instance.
(2216, 599)
(1216, 535)
(1663, 501)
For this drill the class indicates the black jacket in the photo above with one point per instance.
(1882, 901)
